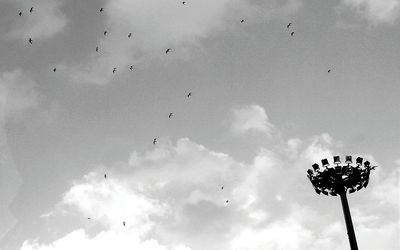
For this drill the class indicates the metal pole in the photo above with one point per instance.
(349, 223)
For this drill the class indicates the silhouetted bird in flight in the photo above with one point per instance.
(170, 115)
(242, 21)
(105, 32)
(123, 223)
(30, 40)
(226, 201)
(105, 176)
(97, 49)
(154, 141)
(114, 69)
(88, 218)
(129, 35)
(101, 9)
(291, 34)
(54, 69)
(167, 51)
(20, 13)
(289, 24)
(184, 3)
(189, 94)
(131, 67)
(222, 187)
(329, 70)
(31, 10)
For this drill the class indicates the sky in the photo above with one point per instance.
(263, 108)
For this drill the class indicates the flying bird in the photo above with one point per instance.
(30, 40)
(114, 69)
(20, 13)
(170, 115)
(31, 10)
(289, 24)
(189, 94)
(88, 218)
(167, 51)
(131, 67)
(329, 70)
(222, 187)
(105, 176)
(226, 201)
(242, 21)
(97, 49)
(54, 69)
(129, 35)
(123, 223)
(154, 141)
(183, 2)
(291, 34)
(105, 32)
(101, 9)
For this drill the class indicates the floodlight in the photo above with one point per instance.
(309, 172)
(315, 166)
(325, 162)
(359, 161)
(348, 159)
(366, 164)
(317, 191)
(336, 159)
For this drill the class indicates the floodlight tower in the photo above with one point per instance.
(337, 180)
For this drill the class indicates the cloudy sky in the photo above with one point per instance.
(263, 109)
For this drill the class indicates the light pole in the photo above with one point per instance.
(336, 180)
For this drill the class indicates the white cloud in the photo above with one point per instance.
(160, 24)
(45, 20)
(171, 198)
(251, 118)
(375, 11)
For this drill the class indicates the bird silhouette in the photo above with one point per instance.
(167, 51)
(222, 187)
(291, 34)
(31, 10)
(129, 35)
(97, 49)
(30, 40)
(88, 218)
(329, 70)
(114, 69)
(105, 32)
(105, 176)
(54, 69)
(101, 9)
(242, 21)
(154, 141)
(20, 13)
(189, 94)
(123, 223)
(131, 67)
(226, 201)
(289, 24)
(170, 115)
(183, 2)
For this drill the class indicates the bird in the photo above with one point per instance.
(131, 67)
(105, 32)
(183, 2)
(129, 35)
(54, 69)
(189, 94)
(170, 115)
(289, 24)
(242, 21)
(20, 13)
(88, 218)
(154, 141)
(114, 69)
(222, 187)
(123, 223)
(226, 201)
(167, 51)
(291, 34)
(101, 9)
(31, 10)
(30, 40)
(105, 176)
(97, 49)
(329, 70)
